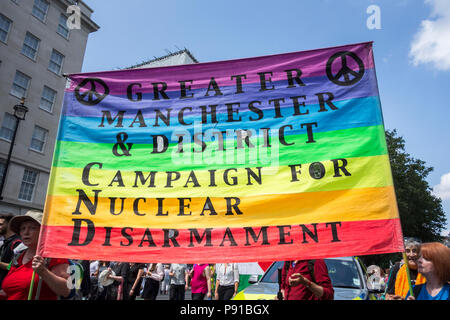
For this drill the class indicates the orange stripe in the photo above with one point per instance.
(261, 210)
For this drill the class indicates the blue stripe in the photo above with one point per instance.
(361, 112)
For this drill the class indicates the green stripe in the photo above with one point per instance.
(348, 143)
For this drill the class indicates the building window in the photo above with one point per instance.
(62, 26)
(38, 139)
(30, 46)
(5, 26)
(2, 169)
(40, 9)
(47, 99)
(27, 186)
(8, 126)
(20, 85)
(56, 61)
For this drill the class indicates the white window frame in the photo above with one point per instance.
(15, 84)
(9, 28)
(8, 125)
(42, 141)
(26, 45)
(53, 62)
(40, 10)
(24, 192)
(45, 99)
(2, 169)
(63, 26)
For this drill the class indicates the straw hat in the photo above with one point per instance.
(103, 278)
(31, 215)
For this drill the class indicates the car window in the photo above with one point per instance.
(343, 273)
(271, 275)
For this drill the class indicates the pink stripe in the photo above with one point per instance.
(312, 63)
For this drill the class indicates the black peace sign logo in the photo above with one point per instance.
(93, 95)
(345, 76)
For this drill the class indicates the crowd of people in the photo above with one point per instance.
(127, 281)
(25, 275)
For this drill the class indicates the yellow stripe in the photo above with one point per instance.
(365, 173)
(261, 210)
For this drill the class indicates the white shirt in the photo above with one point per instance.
(158, 273)
(179, 270)
(227, 273)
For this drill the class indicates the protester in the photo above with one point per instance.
(118, 290)
(227, 281)
(201, 282)
(434, 265)
(376, 279)
(212, 272)
(102, 266)
(179, 281)
(306, 280)
(387, 271)
(134, 279)
(398, 285)
(10, 241)
(100, 294)
(93, 271)
(153, 277)
(166, 281)
(93, 267)
(85, 287)
(53, 275)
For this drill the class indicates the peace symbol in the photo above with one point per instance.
(92, 96)
(349, 75)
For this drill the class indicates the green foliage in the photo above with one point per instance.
(421, 213)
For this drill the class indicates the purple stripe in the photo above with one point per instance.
(312, 64)
(366, 87)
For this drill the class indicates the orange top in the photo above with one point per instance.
(401, 282)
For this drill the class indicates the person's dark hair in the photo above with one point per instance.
(6, 217)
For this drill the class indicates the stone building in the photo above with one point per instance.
(37, 46)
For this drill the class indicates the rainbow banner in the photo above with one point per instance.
(260, 159)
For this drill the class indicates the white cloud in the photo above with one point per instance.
(431, 43)
(442, 190)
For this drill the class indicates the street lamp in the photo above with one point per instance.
(20, 111)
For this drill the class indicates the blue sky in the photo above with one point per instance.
(412, 51)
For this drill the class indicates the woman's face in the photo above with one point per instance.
(425, 266)
(29, 232)
(412, 253)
